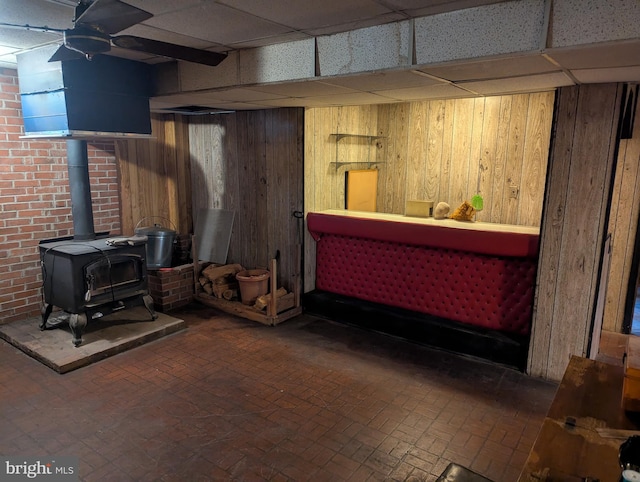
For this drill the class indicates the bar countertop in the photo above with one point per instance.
(449, 223)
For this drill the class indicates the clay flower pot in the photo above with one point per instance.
(252, 283)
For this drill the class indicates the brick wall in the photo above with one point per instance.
(35, 203)
(171, 288)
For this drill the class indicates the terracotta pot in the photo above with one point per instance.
(252, 283)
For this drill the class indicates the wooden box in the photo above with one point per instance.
(631, 383)
(419, 209)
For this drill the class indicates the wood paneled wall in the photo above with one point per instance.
(252, 163)
(155, 179)
(440, 150)
(574, 225)
(623, 225)
(443, 150)
(249, 162)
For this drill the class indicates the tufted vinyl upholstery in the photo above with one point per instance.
(489, 291)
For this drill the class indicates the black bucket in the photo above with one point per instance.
(160, 241)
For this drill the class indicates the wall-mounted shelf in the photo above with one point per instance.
(370, 140)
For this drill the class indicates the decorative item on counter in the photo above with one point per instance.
(464, 212)
(441, 210)
(476, 200)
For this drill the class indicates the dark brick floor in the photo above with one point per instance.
(230, 399)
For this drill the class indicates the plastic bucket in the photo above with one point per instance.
(159, 246)
(252, 283)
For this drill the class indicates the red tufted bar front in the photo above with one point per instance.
(477, 277)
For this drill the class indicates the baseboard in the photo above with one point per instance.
(491, 345)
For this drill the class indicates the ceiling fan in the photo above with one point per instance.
(94, 23)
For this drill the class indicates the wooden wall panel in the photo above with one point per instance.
(435, 150)
(487, 158)
(154, 177)
(573, 226)
(496, 179)
(248, 162)
(251, 163)
(536, 153)
(418, 138)
(514, 161)
(461, 152)
(623, 225)
(434, 128)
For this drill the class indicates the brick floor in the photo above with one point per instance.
(230, 399)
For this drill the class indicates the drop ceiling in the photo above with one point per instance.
(236, 26)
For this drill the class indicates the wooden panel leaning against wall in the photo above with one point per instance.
(441, 150)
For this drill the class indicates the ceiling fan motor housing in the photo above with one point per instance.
(87, 40)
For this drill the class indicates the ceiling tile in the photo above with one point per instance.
(37, 13)
(492, 68)
(224, 25)
(352, 98)
(239, 95)
(440, 91)
(502, 28)
(355, 25)
(578, 22)
(305, 14)
(303, 89)
(534, 83)
(382, 81)
(158, 7)
(596, 76)
(153, 33)
(619, 54)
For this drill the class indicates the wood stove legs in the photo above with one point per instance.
(78, 321)
(148, 303)
(45, 311)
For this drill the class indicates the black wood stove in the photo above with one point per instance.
(88, 276)
(91, 279)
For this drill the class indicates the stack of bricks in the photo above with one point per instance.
(171, 288)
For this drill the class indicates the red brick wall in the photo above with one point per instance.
(35, 202)
(171, 288)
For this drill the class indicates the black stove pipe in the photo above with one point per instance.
(81, 209)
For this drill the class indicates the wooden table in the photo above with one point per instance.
(570, 445)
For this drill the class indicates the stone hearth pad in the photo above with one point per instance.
(102, 338)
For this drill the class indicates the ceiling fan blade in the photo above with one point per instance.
(31, 27)
(63, 53)
(112, 16)
(168, 50)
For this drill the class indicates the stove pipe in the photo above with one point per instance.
(81, 210)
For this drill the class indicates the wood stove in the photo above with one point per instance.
(89, 276)
(91, 279)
